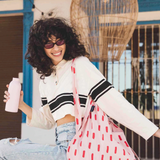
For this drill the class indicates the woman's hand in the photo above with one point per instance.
(7, 97)
(157, 134)
(22, 105)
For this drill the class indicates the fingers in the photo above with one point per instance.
(6, 96)
(21, 93)
(6, 93)
(5, 100)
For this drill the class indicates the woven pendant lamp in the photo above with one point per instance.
(105, 26)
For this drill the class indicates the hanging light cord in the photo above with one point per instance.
(36, 8)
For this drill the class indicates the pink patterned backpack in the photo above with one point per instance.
(97, 137)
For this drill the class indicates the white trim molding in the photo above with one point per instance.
(9, 5)
(149, 16)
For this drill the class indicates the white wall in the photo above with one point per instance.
(60, 7)
(8, 5)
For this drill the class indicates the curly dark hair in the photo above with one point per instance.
(39, 34)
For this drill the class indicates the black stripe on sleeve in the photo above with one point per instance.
(94, 87)
(106, 90)
(44, 101)
(99, 89)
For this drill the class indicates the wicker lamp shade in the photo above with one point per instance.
(105, 26)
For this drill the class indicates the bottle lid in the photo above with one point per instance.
(15, 79)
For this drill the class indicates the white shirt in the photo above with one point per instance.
(56, 92)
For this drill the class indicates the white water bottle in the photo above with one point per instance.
(14, 91)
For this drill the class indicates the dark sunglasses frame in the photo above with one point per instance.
(51, 44)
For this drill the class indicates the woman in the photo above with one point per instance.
(53, 44)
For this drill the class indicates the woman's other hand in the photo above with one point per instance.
(157, 134)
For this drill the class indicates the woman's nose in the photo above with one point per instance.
(55, 47)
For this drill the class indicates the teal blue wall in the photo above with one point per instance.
(27, 69)
(149, 5)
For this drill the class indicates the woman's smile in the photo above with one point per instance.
(57, 54)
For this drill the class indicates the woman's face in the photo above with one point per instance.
(57, 51)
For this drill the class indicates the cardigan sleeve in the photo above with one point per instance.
(42, 118)
(111, 101)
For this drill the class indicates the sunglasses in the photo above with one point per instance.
(50, 45)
